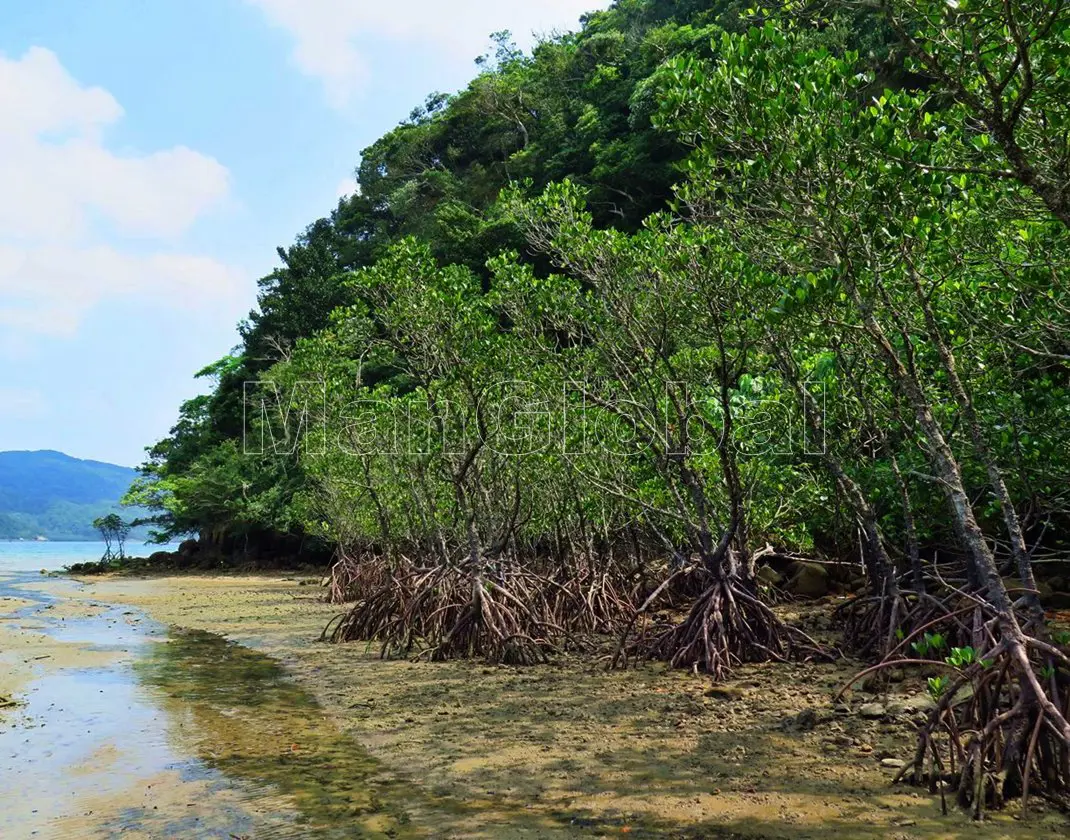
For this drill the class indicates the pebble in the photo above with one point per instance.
(871, 710)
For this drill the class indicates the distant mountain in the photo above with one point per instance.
(56, 496)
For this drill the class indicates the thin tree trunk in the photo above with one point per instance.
(948, 472)
(910, 529)
(878, 563)
(995, 476)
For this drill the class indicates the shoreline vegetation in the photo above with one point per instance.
(622, 352)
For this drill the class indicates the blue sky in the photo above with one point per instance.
(154, 154)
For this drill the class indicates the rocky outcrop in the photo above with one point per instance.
(808, 580)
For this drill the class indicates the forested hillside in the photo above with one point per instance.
(613, 333)
(52, 495)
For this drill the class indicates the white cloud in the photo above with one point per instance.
(327, 32)
(347, 187)
(21, 404)
(67, 200)
(48, 290)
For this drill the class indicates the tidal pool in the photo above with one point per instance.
(163, 732)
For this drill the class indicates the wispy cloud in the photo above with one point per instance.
(346, 187)
(329, 34)
(21, 404)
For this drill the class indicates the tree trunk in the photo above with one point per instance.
(1019, 551)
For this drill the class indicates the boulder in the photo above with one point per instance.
(768, 576)
(857, 584)
(189, 547)
(810, 580)
(842, 573)
(871, 711)
(804, 721)
(875, 683)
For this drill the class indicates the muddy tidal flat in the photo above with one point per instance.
(206, 707)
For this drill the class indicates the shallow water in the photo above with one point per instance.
(177, 734)
(27, 555)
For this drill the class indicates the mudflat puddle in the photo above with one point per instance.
(156, 732)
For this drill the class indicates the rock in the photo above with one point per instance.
(1059, 584)
(874, 683)
(188, 547)
(910, 705)
(806, 720)
(893, 763)
(158, 558)
(871, 711)
(768, 576)
(724, 692)
(1013, 584)
(809, 581)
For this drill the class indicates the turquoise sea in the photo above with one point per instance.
(53, 556)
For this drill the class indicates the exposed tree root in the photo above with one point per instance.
(1006, 739)
(687, 585)
(874, 626)
(354, 576)
(494, 623)
(726, 626)
(999, 730)
(870, 623)
(447, 612)
(377, 615)
(592, 601)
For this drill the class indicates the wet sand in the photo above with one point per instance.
(124, 726)
(562, 750)
(25, 652)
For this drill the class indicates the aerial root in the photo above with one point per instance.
(870, 623)
(1005, 741)
(876, 625)
(999, 728)
(353, 576)
(727, 625)
(491, 612)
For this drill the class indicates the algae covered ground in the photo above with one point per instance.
(567, 749)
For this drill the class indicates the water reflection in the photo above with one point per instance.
(128, 728)
(242, 715)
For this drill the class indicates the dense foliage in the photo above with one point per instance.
(690, 288)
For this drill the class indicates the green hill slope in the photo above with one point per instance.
(56, 496)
